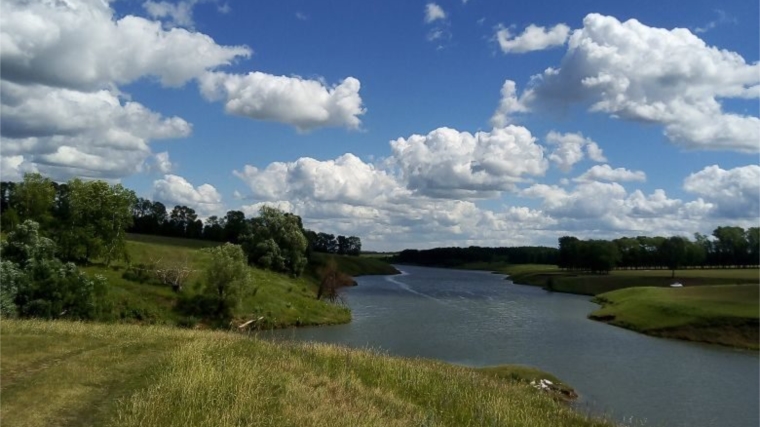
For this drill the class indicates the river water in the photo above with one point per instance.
(480, 319)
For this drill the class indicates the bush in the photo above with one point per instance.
(36, 284)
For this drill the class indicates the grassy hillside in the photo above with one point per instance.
(75, 374)
(725, 314)
(276, 299)
(355, 265)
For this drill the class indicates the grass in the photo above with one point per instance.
(355, 265)
(276, 299)
(77, 374)
(720, 314)
(594, 284)
(527, 375)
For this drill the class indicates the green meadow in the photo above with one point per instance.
(720, 314)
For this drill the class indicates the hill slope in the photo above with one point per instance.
(76, 374)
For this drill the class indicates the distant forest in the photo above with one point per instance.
(727, 247)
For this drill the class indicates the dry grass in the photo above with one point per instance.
(123, 375)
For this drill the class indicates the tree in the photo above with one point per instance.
(276, 241)
(227, 278)
(214, 229)
(234, 226)
(103, 212)
(182, 220)
(331, 280)
(36, 284)
(674, 252)
(731, 245)
(354, 246)
(753, 241)
(35, 197)
(569, 252)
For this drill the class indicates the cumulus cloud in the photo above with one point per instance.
(433, 12)
(508, 105)
(606, 210)
(450, 163)
(653, 75)
(175, 190)
(349, 196)
(569, 149)
(61, 64)
(346, 179)
(64, 133)
(532, 39)
(79, 44)
(606, 173)
(305, 104)
(735, 192)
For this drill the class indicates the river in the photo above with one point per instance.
(480, 319)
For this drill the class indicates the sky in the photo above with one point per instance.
(410, 124)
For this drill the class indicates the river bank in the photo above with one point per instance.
(130, 375)
(726, 314)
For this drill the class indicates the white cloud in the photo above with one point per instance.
(79, 44)
(346, 179)
(175, 190)
(449, 163)
(179, 14)
(606, 173)
(735, 192)
(13, 168)
(65, 133)
(433, 12)
(508, 105)
(305, 104)
(349, 196)
(723, 18)
(654, 75)
(570, 149)
(532, 39)
(161, 163)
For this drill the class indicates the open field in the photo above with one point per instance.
(79, 374)
(355, 265)
(279, 300)
(721, 314)
(592, 284)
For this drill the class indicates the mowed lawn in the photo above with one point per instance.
(722, 314)
(80, 374)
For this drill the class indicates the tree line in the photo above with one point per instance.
(728, 246)
(454, 256)
(80, 214)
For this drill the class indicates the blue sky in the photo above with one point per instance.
(410, 124)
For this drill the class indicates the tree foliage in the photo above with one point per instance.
(36, 284)
(275, 241)
(227, 278)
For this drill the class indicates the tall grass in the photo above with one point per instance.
(123, 375)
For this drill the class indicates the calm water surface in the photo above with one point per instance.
(480, 319)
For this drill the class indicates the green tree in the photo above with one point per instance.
(731, 245)
(674, 252)
(36, 284)
(226, 279)
(276, 241)
(35, 198)
(753, 241)
(102, 213)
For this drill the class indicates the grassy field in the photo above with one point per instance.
(355, 265)
(594, 284)
(722, 314)
(77, 374)
(279, 300)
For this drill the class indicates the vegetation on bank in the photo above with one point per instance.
(354, 266)
(724, 314)
(555, 279)
(77, 374)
